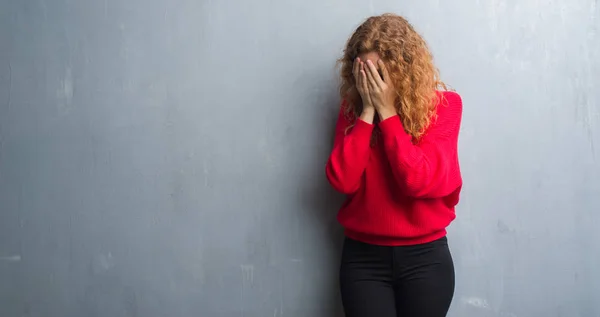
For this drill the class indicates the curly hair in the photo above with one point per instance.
(410, 65)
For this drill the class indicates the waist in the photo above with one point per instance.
(393, 240)
(420, 221)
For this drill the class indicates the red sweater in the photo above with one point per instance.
(398, 193)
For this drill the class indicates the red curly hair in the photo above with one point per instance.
(410, 65)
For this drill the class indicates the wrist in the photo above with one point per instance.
(368, 111)
(368, 115)
(386, 113)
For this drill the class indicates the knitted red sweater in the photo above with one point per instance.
(398, 193)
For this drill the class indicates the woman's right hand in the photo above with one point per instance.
(361, 82)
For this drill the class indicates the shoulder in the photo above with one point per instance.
(449, 104)
(345, 104)
(448, 113)
(345, 115)
(450, 99)
(347, 109)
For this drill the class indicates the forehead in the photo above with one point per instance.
(373, 56)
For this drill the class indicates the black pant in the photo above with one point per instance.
(405, 281)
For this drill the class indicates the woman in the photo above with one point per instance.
(395, 157)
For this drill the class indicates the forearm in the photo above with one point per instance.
(350, 156)
(427, 170)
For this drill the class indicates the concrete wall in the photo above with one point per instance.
(166, 158)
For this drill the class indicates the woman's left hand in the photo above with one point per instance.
(383, 95)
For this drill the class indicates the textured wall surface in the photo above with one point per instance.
(166, 158)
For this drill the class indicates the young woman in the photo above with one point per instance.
(395, 157)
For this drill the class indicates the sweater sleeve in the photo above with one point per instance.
(350, 154)
(429, 169)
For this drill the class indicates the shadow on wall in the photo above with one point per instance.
(322, 202)
(309, 287)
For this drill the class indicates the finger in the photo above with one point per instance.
(364, 75)
(355, 68)
(375, 73)
(364, 84)
(362, 78)
(370, 78)
(384, 70)
(362, 81)
(357, 79)
(359, 71)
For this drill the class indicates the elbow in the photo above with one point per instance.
(340, 184)
(344, 189)
(431, 183)
(416, 185)
(415, 191)
(433, 189)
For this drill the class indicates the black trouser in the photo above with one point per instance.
(404, 281)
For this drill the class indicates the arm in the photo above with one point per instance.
(429, 169)
(350, 154)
